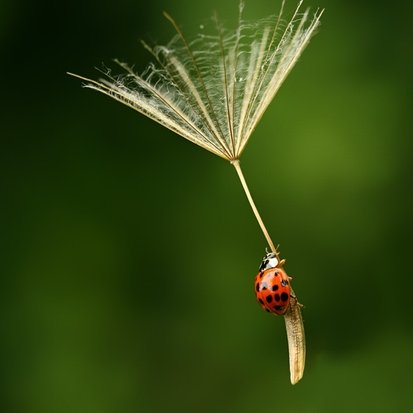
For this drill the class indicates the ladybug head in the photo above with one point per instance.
(269, 261)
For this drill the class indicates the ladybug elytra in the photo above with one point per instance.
(272, 285)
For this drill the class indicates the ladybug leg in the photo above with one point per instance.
(294, 297)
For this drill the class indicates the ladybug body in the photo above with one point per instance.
(272, 286)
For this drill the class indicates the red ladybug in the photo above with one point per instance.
(272, 285)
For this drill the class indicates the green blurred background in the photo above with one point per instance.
(128, 254)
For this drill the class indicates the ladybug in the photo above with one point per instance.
(272, 285)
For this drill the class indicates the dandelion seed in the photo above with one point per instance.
(214, 90)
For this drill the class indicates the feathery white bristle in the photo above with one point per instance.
(214, 90)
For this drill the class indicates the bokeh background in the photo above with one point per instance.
(128, 254)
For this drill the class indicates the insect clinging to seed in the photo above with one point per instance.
(213, 91)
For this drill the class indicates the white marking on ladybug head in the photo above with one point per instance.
(269, 261)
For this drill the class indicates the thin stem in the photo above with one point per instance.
(237, 167)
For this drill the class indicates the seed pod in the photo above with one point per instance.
(296, 339)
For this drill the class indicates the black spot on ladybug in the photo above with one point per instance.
(284, 282)
(277, 297)
(275, 287)
(268, 298)
(262, 302)
(279, 308)
(257, 287)
(284, 296)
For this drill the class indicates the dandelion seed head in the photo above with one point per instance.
(214, 89)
